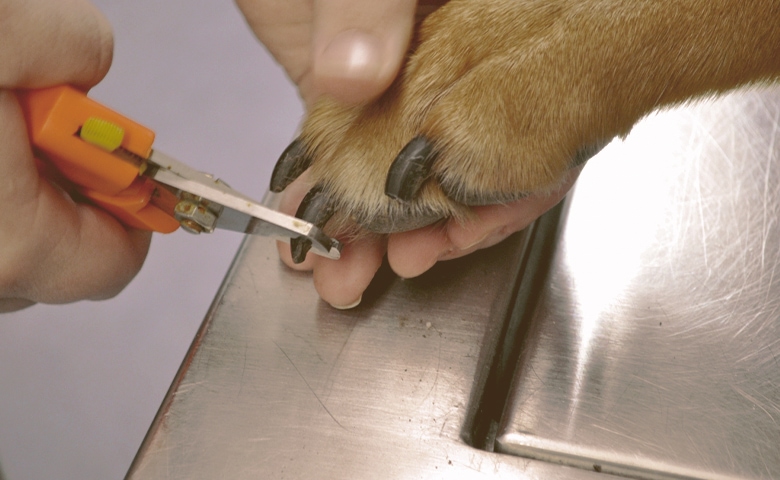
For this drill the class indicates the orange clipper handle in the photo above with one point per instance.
(54, 118)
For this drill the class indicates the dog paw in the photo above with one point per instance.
(495, 102)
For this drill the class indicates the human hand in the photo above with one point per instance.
(349, 49)
(352, 50)
(52, 249)
(342, 282)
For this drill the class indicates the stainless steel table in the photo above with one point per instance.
(635, 331)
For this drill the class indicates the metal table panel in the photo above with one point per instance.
(279, 385)
(655, 349)
(650, 349)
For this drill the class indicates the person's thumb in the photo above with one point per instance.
(358, 46)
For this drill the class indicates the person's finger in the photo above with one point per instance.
(284, 27)
(43, 43)
(358, 46)
(493, 222)
(342, 282)
(339, 282)
(494, 236)
(54, 250)
(412, 253)
(14, 304)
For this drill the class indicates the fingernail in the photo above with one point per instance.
(492, 237)
(352, 54)
(316, 209)
(347, 307)
(410, 169)
(446, 253)
(474, 243)
(291, 164)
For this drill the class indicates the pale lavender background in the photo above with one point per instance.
(80, 384)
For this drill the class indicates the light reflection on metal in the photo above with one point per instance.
(653, 352)
(607, 254)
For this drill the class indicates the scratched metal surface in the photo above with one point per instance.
(655, 350)
(280, 385)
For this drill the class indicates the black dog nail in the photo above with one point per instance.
(410, 169)
(291, 164)
(299, 247)
(316, 209)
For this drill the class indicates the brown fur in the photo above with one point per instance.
(510, 90)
